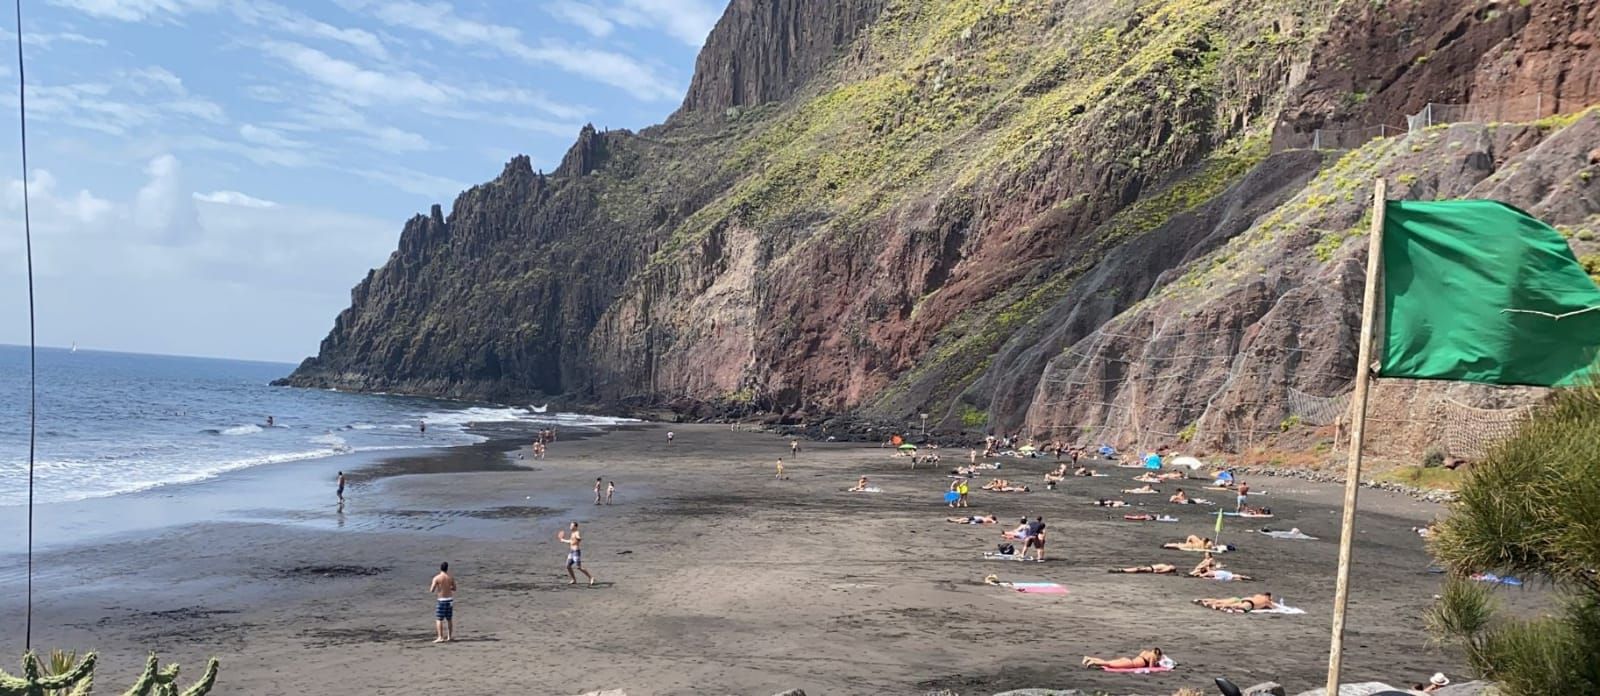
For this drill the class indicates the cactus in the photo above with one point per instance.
(155, 681)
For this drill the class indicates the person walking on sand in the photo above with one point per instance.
(794, 447)
(443, 588)
(340, 491)
(598, 485)
(611, 489)
(780, 468)
(574, 554)
(669, 437)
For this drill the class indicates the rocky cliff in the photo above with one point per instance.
(1079, 217)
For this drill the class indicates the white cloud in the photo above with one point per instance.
(136, 100)
(46, 39)
(292, 22)
(441, 20)
(414, 182)
(136, 10)
(688, 21)
(354, 82)
(234, 198)
(586, 17)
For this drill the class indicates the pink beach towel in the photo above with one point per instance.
(1165, 665)
(1039, 588)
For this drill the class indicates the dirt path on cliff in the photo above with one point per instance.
(717, 578)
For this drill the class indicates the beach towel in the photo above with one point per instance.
(1147, 518)
(869, 489)
(1250, 517)
(1165, 665)
(1291, 534)
(992, 556)
(1496, 579)
(1220, 548)
(1281, 608)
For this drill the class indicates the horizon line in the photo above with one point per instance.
(154, 355)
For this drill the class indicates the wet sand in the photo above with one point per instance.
(717, 578)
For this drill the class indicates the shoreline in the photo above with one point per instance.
(714, 576)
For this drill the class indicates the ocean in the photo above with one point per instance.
(115, 423)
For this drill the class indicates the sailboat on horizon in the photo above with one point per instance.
(74, 346)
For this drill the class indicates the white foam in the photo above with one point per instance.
(246, 429)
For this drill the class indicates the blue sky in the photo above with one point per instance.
(210, 177)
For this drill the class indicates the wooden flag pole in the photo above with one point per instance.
(1358, 431)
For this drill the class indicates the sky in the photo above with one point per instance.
(211, 177)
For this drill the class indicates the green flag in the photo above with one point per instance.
(1479, 291)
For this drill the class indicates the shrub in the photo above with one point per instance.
(1530, 509)
(1432, 458)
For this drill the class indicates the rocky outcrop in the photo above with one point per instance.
(763, 50)
(1063, 216)
(1380, 62)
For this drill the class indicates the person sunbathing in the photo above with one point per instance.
(1082, 471)
(1109, 503)
(1207, 563)
(861, 485)
(1193, 543)
(1146, 659)
(1247, 511)
(1156, 568)
(973, 519)
(1220, 575)
(1147, 478)
(1179, 498)
(1239, 605)
(1172, 476)
(1140, 490)
(996, 484)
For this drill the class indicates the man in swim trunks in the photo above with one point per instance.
(443, 588)
(1179, 498)
(340, 491)
(597, 486)
(794, 447)
(1244, 490)
(574, 554)
(1034, 539)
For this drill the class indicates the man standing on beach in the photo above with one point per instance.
(340, 492)
(444, 611)
(597, 486)
(1244, 490)
(669, 437)
(794, 447)
(574, 554)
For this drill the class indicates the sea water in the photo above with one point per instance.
(112, 423)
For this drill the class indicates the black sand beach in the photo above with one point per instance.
(713, 578)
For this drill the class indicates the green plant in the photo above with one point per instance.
(1432, 458)
(68, 675)
(1407, 178)
(1187, 433)
(973, 418)
(1528, 510)
(1287, 423)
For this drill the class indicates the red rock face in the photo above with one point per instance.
(1131, 268)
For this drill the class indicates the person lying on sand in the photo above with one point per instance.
(1147, 658)
(1082, 471)
(1109, 503)
(1239, 605)
(1193, 543)
(1172, 476)
(1248, 511)
(1179, 498)
(1220, 575)
(1145, 489)
(861, 485)
(1149, 518)
(1156, 568)
(1146, 478)
(1003, 486)
(973, 519)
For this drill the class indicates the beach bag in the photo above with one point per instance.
(1006, 549)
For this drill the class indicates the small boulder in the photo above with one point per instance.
(1265, 688)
